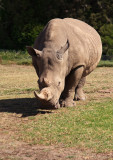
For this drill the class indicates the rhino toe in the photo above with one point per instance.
(68, 103)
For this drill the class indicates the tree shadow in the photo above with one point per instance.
(25, 106)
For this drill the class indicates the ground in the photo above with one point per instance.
(18, 107)
(22, 151)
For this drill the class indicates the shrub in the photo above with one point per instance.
(106, 32)
(26, 35)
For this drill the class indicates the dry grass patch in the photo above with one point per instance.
(16, 81)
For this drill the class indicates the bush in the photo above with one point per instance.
(26, 35)
(106, 32)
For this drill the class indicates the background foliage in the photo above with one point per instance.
(21, 21)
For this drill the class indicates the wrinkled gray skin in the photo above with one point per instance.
(64, 53)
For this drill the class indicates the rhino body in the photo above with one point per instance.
(64, 53)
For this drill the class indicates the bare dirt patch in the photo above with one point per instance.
(22, 151)
(17, 104)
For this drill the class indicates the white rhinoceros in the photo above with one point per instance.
(64, 53)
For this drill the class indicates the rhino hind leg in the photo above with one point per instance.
(79, 94)
(71, 82)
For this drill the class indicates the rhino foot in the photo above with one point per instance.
(79, 95)
(78, 98)
(57, 106)
(67, 103)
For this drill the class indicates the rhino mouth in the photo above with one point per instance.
(47, 99)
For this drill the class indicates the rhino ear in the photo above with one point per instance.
(62, 50)
(33, 52)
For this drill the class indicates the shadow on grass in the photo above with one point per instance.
(25, 106)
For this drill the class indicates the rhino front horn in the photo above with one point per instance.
(44, 95)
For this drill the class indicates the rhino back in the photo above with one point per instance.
(85, 46)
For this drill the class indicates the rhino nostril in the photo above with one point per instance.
(43, 83)
(59, 83)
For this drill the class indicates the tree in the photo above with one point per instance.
(21, 21)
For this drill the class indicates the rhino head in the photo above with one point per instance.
(50, 66)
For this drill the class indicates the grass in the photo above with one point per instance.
(17, 91)
(89, 125)
(23, 58)
(107, 63)
(13, 57)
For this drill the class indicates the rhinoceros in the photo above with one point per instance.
(64, 53)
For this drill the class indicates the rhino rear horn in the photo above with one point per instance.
(33, 52)
(62, 50)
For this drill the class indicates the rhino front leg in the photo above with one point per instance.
(79, 94)
(71, 82)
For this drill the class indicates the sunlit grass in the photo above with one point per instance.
(89, 126)
(23, 58)
(16, 91)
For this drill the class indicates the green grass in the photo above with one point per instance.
(16, 91)
(106, 63)
(13, 57)
(89, 126)
(22, 58)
